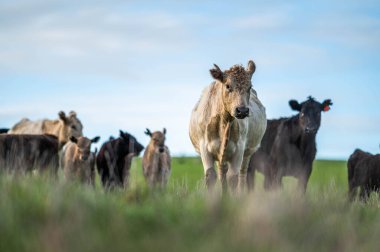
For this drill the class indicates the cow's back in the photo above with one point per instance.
(26, 126)
(28, 152)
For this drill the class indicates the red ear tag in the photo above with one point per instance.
(326, 108)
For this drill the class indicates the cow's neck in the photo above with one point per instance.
(55, 127)
(305, 142)
(52, 127)
(152, 155)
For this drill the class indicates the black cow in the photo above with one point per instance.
(24, 153)
(288, 147)
(4, 131)
(364, 173)
(114, 160)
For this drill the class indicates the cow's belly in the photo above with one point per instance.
(293, 166)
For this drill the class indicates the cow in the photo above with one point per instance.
(63, 128)
(227, 125)
(21, 154)
(77, 160)
(288, 147)
(156, 161)
(114, 160)
(363, 173)
(4, 131)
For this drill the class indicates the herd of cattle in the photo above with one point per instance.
(228, 128)
(46, 145)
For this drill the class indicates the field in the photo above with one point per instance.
(37, 214)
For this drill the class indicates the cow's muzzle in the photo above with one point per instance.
(310, 130)
(241, 112)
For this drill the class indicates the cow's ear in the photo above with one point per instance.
(164, 131)
(251, 68)
(148, 133)
(72, 114)
(62, 116)
(295, 105)
(73, 139)
(122, 135)
(216, 73)
(95, 139)
(326, 105)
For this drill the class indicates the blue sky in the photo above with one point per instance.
(136, 64)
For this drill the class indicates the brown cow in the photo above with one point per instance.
(77, 160)
(63, 128)
(25, 153)
(156, 161)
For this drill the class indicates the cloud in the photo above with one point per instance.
(87, 40)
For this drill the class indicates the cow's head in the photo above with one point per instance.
(84, 146)
(130, 144)
(310, 113)
(157, 139)
(236, 84)
(72, 126)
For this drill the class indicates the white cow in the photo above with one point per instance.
(227, 125)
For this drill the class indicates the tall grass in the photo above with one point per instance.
(39, 214)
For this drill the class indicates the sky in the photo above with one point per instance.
(133, 65)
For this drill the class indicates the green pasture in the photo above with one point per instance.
(38, 214)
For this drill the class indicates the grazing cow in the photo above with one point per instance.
(363, 173)
(156, 161)
(227, 125)
(63, 128)
(24, 153)
(77, 160)
(114, 160)
(288, 147)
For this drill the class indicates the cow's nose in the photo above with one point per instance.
(309, 130)
(241, 112)
(161, 149)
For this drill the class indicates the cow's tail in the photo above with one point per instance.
(4, 131)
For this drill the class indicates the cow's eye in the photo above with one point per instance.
(73, 127)
(228, 87)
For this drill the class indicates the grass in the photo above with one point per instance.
(37, 214)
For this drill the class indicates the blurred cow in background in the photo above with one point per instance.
(288, 147)
(156, 161)
(115, 158)
(63, 128)
(4, 131)
(20, 154)
(363, 174)
(77, 160)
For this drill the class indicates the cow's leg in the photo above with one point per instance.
(272, 177)
(243, 174)
(303, 179)
(364, 193)
(222, 171)
(251, 175)
(234, 171)
(208, 166)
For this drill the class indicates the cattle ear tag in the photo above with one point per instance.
(326, 108)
